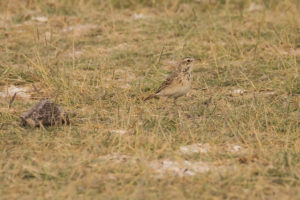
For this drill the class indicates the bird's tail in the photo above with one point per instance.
(150, 97)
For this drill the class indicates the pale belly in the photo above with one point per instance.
(177, 90)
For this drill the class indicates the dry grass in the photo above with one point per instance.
(98, 59)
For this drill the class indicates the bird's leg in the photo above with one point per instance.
(175, 101)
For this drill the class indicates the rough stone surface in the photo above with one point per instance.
(45, 113)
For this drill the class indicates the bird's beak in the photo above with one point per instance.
(197, 59)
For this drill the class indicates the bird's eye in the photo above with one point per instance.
(189, 60)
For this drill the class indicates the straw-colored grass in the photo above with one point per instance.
(234, 136)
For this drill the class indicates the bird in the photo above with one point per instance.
(178, 83)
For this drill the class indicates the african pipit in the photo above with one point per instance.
(178, 83)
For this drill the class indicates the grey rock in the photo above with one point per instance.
(45, 113)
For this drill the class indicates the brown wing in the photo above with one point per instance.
(167, 82)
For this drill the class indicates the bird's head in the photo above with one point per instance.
(187, 64)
